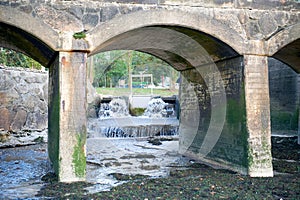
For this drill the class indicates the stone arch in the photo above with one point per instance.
(27, 35)
(199, 22)
(285, 46)
(202, 54)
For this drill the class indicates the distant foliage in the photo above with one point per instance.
(11, 58)
(111, 66)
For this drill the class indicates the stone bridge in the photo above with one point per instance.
(221, 47)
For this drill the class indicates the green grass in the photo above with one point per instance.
(136, 91)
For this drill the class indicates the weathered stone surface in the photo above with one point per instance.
(258, 116)
(90, 21)
(57, 19)
(206, 133)
(19, 120)
(61, 19)
(224, 29)
(5, 120)
(267, 24)
(23, 96)
(108, 13)
(284, 98)
(67, 113)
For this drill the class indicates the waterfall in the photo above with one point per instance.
(115, 108)
(114, 120)
(157, 108)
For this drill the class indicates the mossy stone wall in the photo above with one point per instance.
(231, 146)
(284, 97)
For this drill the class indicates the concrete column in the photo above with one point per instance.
(258, 116)
(67, 116)
(298, 105)
(299, 129)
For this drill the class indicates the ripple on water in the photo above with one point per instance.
(21, 170)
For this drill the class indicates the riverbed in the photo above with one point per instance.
(131, 168)
(22, 168)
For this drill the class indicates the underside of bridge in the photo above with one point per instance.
(290, 55)
(213, 117)
(19, 40)
(224, 96)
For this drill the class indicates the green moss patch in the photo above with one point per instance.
(137, 111)
(79, 158)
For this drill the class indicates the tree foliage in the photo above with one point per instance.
(110, 67)
(11, 58)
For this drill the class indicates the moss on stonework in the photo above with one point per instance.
(53, 118)
(295, 120)
(250, 158)
(253, 161)
(284, 120)
(137, 111)
(79, 158)
(79, 35)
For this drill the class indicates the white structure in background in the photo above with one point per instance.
(141, 101)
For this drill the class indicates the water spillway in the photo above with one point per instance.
(132, 127)
(114, 120)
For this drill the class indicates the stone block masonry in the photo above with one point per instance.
(284, 98)
(23, 99)
(67, 114)
(47, 31)
(258, 115)
(229, 149)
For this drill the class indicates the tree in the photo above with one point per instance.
(114, 65)
(11, 58)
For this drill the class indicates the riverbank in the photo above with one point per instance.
(186, 179)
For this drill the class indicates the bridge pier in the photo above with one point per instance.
(67, 116)
(258, 116)
(298, 105)
(233, 132)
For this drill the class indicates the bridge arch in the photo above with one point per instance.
(285, 46)
(200, 22)
(27, 35)
(210, 68)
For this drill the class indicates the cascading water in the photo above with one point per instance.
(157, 108)
(116, 108)
(114, 120)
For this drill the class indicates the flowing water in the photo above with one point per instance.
(117, 143)
(22, 168)
(132, 127)
(114, 120)
(117, 107)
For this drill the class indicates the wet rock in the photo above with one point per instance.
(4, 136)
(155, 141)
(23, 99)
(140, 156)
(50, 177)
(149, 167)
(39, 140)
(125, 177)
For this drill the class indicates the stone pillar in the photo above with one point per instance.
(258, 116)
(298, 105)
(67, 116)
(299, 129)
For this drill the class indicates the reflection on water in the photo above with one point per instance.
(21, 170)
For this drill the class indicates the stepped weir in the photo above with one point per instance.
(114, 120)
